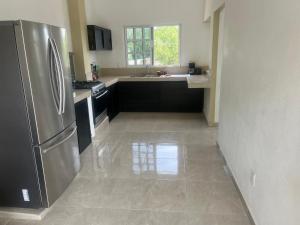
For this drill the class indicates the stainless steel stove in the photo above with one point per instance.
(99, 98)
(94, 86)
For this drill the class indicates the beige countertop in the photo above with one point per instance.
(196, 81)
(202, 81)
(79, 95)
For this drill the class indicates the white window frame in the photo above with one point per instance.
(152, 37)
(134, 40)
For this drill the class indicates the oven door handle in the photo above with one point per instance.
(102, 94)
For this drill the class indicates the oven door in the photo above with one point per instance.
(100, 102)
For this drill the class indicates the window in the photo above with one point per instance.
(158, 46)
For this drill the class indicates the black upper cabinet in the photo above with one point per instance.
(99, 38)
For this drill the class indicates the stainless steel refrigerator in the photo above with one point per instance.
(39, 154)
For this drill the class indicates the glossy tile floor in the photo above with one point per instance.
(150, 169)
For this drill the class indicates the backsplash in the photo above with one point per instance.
(151, 70)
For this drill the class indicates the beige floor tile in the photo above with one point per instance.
(150, 169)
(66, 216)
(205, 136)
(83, 192)
(21, 222)
(179, 121)
(168, 218)
(168, 195)
(141, 125)
(3, 221)
(219, 172)
(199, 196)
(199, 171)
(225, 189)
(128, 194)
(168, 137)
(217, 219)
(232, 220)
(226, 205)
(137, 137)
(93, 216)
(196, 218)
(199, 152)
(152, 150)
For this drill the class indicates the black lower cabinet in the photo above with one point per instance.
(139, 96)
(113, 102)
(177, 97)
(83, 125)
(173, 96)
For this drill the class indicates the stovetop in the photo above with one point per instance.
(94, 86)
(85, 84)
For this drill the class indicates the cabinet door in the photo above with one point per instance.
(177, 97)
(95, 38)
(99, 39)
(139, 96)
(83, 125)
(173, 97)
(195, 99)
(113, 106)
(107, 39)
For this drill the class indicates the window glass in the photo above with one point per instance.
(147, 45)
(129, 33)
(138, 33)
(147, 33)
(157, 45)
(139, 46)
(166, 45)
(130, 47)
(131, 61)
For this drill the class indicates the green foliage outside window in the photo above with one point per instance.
(166, 45)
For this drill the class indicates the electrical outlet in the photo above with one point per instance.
(26, 197)
(253, 179)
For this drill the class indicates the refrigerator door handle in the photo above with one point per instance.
(62, 77)
(52, 44)
(54, 85)
(60, 142)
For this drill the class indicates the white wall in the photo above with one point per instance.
(119, 13)
(260, 106)
(54, 12)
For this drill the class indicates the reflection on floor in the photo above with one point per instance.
(150, 169)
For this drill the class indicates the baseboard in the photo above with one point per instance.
(228, 171)
(209, 123)
(213, 124)
(24, 214)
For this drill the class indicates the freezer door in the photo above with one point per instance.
(41, 81)
(61, 162)
(59, 36)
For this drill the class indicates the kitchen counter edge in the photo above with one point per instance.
(195, 81)
(80, 95)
